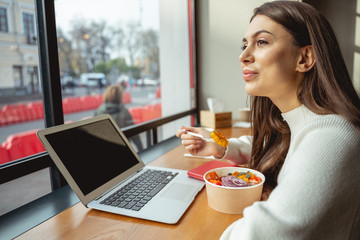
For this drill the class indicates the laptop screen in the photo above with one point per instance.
(93, 153)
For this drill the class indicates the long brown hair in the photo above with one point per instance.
(113, 94)
(326, 88)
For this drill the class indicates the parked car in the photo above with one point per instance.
(147, 82)
(93, 80)
(67, 81)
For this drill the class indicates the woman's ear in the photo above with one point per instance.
(306, 60)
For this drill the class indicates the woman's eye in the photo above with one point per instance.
(261, 42)
(243, 47)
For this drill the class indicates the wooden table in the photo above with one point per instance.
(199, 221)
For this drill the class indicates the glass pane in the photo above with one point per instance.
(136, 45)
(23, 190)
(3, 19)
(21, 110)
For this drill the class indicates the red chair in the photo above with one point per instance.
(158, 92)
(98, 100)
(126, 98)
(23, 112)
(157, 108)
(23, 144)
(3, 118)
(66, 107)
(151, 112)
(4, 156)
(11, 113)
(95, 101)
(29, 113)
(69, 105)
(36, 109)
(88, 102)
(92, 102)
(72, 105)
(33, 114)
(78, 104)
(137, 114)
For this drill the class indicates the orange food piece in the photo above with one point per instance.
(219, 138)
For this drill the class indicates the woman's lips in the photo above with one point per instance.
(248, 74)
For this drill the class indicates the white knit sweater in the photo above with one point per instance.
(318, 192)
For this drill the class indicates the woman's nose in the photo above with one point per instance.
(246, 56)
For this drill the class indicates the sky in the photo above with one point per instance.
(112, 11)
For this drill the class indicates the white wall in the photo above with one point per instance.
(221, 26)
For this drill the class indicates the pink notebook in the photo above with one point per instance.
(199, 171)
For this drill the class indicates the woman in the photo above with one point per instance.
(305, 132)
(112, 105)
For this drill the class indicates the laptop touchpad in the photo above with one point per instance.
(180, 191)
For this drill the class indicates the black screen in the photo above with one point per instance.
(93, 154)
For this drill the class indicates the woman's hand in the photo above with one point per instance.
(197, 146)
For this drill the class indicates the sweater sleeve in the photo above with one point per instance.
(239, 150)
(317, 197)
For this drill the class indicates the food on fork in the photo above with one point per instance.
(217, 137)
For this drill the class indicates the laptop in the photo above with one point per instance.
(106, 173)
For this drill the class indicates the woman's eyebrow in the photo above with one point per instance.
(257, 33)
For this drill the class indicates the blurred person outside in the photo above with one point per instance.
(112, 104)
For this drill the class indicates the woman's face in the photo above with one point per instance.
(269, 62)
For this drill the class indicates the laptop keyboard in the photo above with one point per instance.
(140, 191)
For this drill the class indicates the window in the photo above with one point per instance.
(129, 43)
(21, 108)
(134, 52)
(118, 45)
(33, 80)
(29, 27)
(3, 20)
(18, 76)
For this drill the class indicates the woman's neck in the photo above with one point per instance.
(286, 105)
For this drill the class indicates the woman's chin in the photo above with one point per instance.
(250, 91)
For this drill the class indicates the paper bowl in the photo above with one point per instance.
(232, 200)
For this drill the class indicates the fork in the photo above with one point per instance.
(200, 136)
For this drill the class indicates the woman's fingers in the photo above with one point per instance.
(192, 147)
(193, 144)
(187, 142)
(179, 133)
(183, 130)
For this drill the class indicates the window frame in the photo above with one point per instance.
(52, 97)
(6, 19)
(18, 69)
(29, 26)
